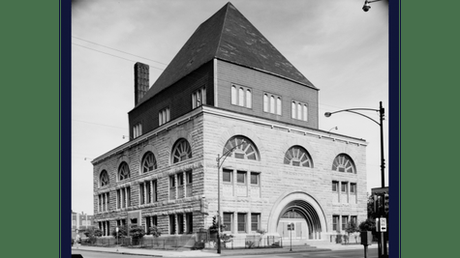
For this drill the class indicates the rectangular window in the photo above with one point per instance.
(242, 222)
(344, 187)
(142, 193)
(335, 186)
(227, 175)
(189, 182)
(272, 103)
(154, 191)
(172, 187)
(228, 221)
(255, 220)
(163, 116)
(148, 192)
(189, 223)
(150, 222)
(354, 219)
(137, 130)
(241, 177)
(180, 179)
(254, 178)
(198, 97)
(352, 188)
(180, 223)
(241, 96)
(344, 222)
(299, 110)
(335, 222)
(172, 224)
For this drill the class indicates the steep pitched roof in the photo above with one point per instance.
(229, 36)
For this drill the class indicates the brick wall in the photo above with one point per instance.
(261, 83)
(177, 97)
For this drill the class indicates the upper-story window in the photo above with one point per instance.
(164, 116)
(137, 130)
(123, 171)
(299, 111)
(241, 148)
(181, 151)
(104, 178)
(241, 96)
(198, 97)
(343, 163)
(298, 156)
(272, 104)
(149, 162)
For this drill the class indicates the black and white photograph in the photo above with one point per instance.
(245, 128)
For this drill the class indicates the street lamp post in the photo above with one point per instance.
(381, 112)
(382, 248)
(220, 161)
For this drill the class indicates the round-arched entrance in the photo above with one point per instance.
(301, 210)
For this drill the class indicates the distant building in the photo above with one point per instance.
(81, 221)
(229, 91)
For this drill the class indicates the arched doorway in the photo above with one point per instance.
(303, 211)
(304, 218)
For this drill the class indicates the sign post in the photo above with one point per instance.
(290, 228)
(116, 229)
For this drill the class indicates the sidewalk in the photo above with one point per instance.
(321, 246)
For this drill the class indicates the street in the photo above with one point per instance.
(372, 253)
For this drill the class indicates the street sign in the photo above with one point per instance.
(290, 226)
(383, 224)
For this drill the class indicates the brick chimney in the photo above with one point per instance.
(141, 81)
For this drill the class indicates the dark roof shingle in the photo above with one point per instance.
(229, 36)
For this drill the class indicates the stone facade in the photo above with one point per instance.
(279, 186)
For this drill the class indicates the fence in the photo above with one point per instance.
(198, 240)
(240, 242)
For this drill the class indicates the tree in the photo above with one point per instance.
(367, 225)
(154, 231)
(92, 233)
(122, 232)
(136, 233)
(351, 228)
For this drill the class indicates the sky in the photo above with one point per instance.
(337, 46)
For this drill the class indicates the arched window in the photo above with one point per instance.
(123, 171)
(298, 156)
(241, 148)
(149, 162)
(103, 178)
(343, 163)
(181, 151)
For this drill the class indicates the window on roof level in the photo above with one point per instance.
(241, 96)
(137, 130)
(198, 97)
(299, 111)
(272, 104)
(163, 116)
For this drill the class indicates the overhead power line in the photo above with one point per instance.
(118, 50)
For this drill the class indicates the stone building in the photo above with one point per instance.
(230, 93)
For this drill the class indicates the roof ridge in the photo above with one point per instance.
(222, 29)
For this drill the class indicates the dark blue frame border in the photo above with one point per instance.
(394, 124)
(65, 128)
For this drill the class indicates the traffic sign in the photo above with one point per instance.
(383, 224)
